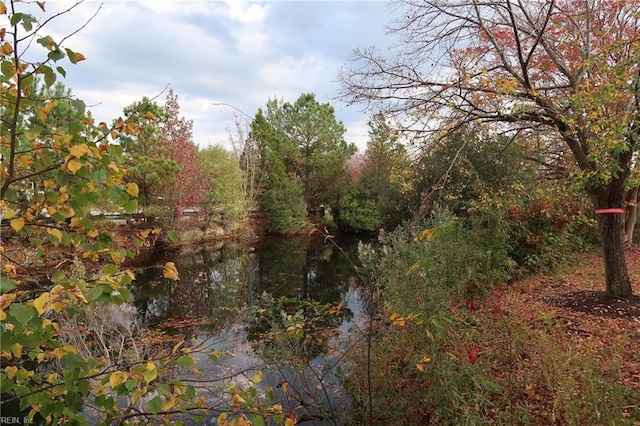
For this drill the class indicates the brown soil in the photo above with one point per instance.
(575, 299)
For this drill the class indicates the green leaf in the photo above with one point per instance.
(184, 361)
(49, 75)
(155, 405)
(164, 390)
(125, 294)
(27, 22)
(110, 269)
(7, 69)
(257, 420)
(131, 206)
(55, 55)
(173, 236)
(72, 56)
(6, 285)
(130, 384)
(17, 17)
(78, 104)
(22, 313)
(57, 277)
(61, 71)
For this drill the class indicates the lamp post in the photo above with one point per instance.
(233, 107)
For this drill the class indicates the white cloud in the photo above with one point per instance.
(237, 52)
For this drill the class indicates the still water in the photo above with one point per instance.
(208, 306)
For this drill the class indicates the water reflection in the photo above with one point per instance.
(218, 283)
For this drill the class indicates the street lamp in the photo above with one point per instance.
(233, 107)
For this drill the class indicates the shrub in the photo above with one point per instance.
(285, 206)
(358, 213)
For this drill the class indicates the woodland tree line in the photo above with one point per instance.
(514, 126)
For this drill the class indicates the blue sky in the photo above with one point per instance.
(236, 52)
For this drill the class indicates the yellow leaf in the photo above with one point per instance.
(79, 150)
(3, 8)
(16, 350)
(75, 294)
(238, 400)
(117, 378)
(243, 421)
(149, 116)
(25, 161)
(150, 372)
(11, 371)
(10, 269)
(132, 189)
(136, 396)
(79, 57)
(56, 292)
(10, 213)
(6, 49)
(168, 405)
(169, 271)
(93, 233)
(131, 128)
(74, 166)
(113, 166)
(40, 303)
(41, 5)
(60, 352)
(285, 387)
(290, 422)
(116, 256)
(55, 233)
(257, 378)
(6, 300)
(222, 419)
(17, 224)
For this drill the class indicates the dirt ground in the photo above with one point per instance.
(575, 298)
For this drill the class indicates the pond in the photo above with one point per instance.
(285, 284)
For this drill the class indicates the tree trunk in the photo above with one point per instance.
(611, 227)
(631, 214)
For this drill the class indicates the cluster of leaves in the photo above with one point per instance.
(292, 325)
(58, 169)
(289, 334)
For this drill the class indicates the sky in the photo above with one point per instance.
(219, 57)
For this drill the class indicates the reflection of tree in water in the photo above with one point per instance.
(305, 281)
(216, 282)
(208, 294)
(307, 269)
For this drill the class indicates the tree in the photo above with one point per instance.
(177, 145)
(562, 70)
(145, 152)
(223, 180)
(303, 140)
(59, 265)
(245, 147)
(386, 174)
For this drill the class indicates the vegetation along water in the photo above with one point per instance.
(475, 264)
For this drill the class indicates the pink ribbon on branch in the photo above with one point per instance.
(611, 211)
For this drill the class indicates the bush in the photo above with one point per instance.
(445, 348)
(285, 206)
(358, 213)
